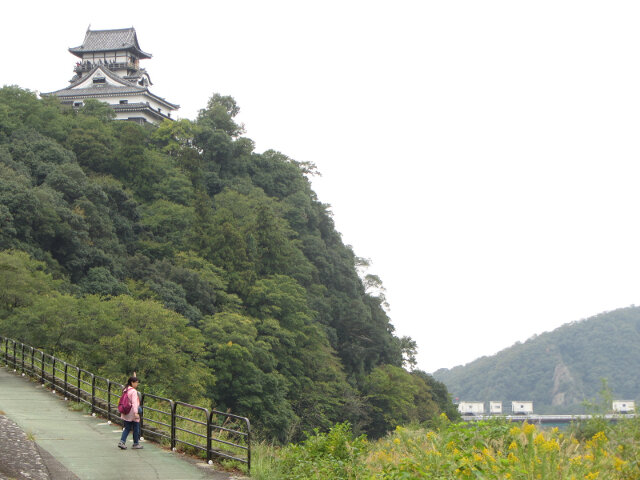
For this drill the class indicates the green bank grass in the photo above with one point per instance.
(483, 450)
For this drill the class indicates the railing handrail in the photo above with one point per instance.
(27, 364)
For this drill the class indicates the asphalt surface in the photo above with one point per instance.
(42, 439)
(19, 456)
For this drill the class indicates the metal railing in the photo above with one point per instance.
(217, 434)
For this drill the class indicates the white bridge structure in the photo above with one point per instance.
(523, 411)
(540, 419)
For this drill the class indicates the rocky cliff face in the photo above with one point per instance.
(561, 369)
(566, 390)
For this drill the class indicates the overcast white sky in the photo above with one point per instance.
(483, 154)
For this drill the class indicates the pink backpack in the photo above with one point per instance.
(124, 404)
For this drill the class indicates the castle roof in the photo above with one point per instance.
(119, 86)
(109, 41)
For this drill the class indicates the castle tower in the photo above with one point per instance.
(109, 70)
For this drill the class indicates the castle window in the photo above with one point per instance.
(99, 80)
(124, 102)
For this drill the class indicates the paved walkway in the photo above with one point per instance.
(72, 445)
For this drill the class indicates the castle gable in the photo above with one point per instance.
(101, 77)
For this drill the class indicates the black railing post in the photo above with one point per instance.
(42, 369)
(78, 392)
(6, 351)
(66, 385)
(173, 424)
(93, 393)
(14, 356)
(209, 433)
(33, 367)
(248, 444)
(142, 414)
(53, 372)
(108, 399)
(22, 358)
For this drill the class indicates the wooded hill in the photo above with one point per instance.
(558, 370)
(210, 269)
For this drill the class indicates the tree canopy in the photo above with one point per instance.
(213, 270)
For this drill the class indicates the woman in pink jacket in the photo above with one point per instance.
(132, 419)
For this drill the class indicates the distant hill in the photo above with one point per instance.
(558, 370)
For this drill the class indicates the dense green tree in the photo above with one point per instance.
(182, 253)
(22, 281)
(219, 115)
(391, 392)
(248, 381)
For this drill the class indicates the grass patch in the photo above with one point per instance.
(494, 450)
(79, 407)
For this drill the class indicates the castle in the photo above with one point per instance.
(109, 70)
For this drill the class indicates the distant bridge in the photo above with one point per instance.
(540, 419)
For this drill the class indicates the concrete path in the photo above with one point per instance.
(73, 445)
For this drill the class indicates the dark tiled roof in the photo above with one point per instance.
(97, 91)
(108, 90)
(130, 106)
(140, 107)
(125, 87)
(110, 40)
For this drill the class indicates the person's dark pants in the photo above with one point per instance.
(128, 426)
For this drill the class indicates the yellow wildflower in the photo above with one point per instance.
(487, 454)
(592, 475)
(618, 463)
(600, 436)
(539, 439)
(514, 431)
(549, 446)
(513, 446)
(529, 428)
